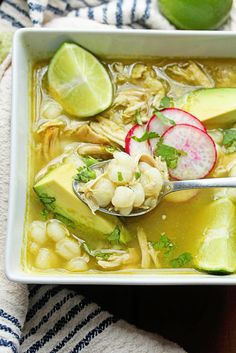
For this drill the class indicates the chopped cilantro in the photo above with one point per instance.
(146, 136)
(47, 200)
(120, 176)
(68, 222)
(88, 160)
(169, 154)
(166, 102)
(181, 260)
(164, 243)
(164, 119)
(137, 175)
(229, 140)
(111, 149)
(87, 249)
(85, 174)
(114, 236)
(44, 213)
(103, 255)
(137, 117)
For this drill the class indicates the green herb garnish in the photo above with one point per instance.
(114, 237)
(68, 222)
(120, 176)
(137, 117)
(146, 136)
(85, 174)
(47, 200)
(137, 175)
(164, 119)
(166, 102)
(164, 243)
(44, 213)
(169, 154)
(229, 140)
(104, 256)
(181, 260)
(111, 149)
(88, 160)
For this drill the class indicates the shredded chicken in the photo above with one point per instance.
(143, 244)
(154, 255)
(191, 74)
(94, 150)
(50, 144)
(110, 130)
(116, 260)
(86, 134)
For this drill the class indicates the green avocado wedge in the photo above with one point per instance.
(215, 107)
(217, 252)
(55, 191)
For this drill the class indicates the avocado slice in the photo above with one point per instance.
(55, 191)
(213, 106)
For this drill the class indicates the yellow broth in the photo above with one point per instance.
(184, 222)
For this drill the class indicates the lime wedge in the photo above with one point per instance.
(79, 82)
(217, 254)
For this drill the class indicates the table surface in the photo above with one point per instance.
(202, 319)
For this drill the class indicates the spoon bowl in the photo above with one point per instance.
(168, 187)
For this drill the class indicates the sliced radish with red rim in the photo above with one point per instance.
(133, 147)
(199, 147)
(178, 116)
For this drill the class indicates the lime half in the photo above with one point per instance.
(217, 253)
(196, 14)
(79, 82)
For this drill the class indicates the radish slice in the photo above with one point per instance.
(178, 116)
(133, 147)
(199, 146)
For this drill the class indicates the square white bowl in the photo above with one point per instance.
(31, 45)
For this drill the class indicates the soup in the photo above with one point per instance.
(193, 228)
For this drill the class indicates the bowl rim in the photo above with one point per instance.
(133, 278)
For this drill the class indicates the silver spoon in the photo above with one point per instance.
(168, 187)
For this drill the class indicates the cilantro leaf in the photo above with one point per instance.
(44, 213)
(114, 236)
(88, 160)
(103, 255)
(181, 260)
(85, 174)
(146, 136)
(169, 154)
(229, 140)
(164, 119)
(137, 175)
(137, 117)
(166, 102)
(111, 149)
(47, 200)
(164, 243)
(120, 176)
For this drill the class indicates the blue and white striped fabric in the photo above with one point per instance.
(121, 13)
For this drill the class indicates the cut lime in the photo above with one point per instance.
(217, 253)
(79, 82)
(196, 14)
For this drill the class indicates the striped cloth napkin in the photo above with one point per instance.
(52, 318)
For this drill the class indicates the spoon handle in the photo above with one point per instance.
(172, 186)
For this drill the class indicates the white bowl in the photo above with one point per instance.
(31, 45)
